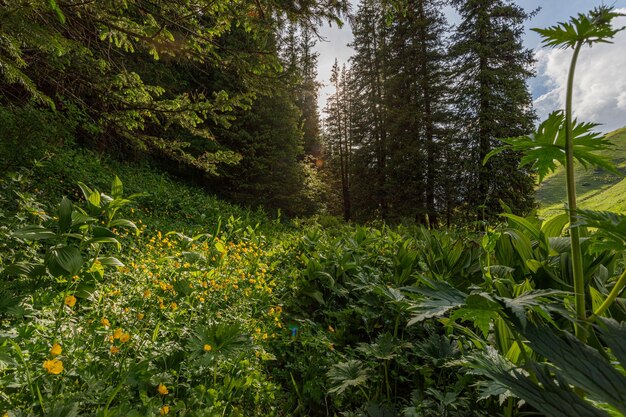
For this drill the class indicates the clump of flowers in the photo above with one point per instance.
(53, 366)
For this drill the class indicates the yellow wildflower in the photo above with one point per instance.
(70, 301)
(114, 349)
(164, 410)
(53, 366)
(124, 338)
(207, 348)
(174, 306)
(56, 350)
(162, 389)
(118, 333)
(140, 316)
(105, 322)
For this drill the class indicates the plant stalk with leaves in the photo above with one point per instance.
(561, 138)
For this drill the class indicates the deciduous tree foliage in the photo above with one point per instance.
(160, 77)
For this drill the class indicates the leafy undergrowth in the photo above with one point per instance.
(170, 302)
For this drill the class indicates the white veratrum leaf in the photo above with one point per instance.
(34, 232)
(65, 214)
(117, 189)
(345, 375)
(69, 258)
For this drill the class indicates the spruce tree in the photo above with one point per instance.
(416, 96)
(492, 101)
(369, 131)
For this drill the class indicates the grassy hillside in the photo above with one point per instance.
(597, 189)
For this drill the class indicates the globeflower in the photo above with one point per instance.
(70, 301)
(162, 389)
(56, 350)
(53, 366)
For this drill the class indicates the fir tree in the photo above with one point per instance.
(492, 102)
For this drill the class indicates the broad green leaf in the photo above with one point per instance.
(98, 240)
(109, 261)
(551, 396)
(540, 301)
(65, 215)
(99, 231)
(480, 310)
(580, 364)
(553, 227)
(34, 232)
(614, 335)
(92, 196)
(345, 375)
(611, 229)
(117, 189)
(69, 258)
(437, 298)
(122, 223)
(80, 219)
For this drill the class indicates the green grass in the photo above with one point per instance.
(597, 189)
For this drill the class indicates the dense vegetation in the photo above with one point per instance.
(130, 291)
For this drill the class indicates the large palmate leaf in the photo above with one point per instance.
(611, 229)
(480, 309)
(579, 364)
(541, 302)
(386, 347)
(591, 28)
(438, 297)
(551, 396)
(345, 375)
(614, 335)
(545, 148)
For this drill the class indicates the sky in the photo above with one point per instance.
(600, 83)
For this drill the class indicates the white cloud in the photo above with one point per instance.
(599, 84)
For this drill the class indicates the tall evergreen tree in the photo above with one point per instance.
(369, 132)
(337, 138)
(492, 102)
(417, 93)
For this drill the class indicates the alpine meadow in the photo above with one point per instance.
(188, 228)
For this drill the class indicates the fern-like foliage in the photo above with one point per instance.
(594, 27)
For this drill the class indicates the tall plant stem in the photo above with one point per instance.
(577, 258)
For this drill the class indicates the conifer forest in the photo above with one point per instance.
(194, 222)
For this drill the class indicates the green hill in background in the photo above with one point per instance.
(597, 189)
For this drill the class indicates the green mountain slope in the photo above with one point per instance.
(597, 189)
